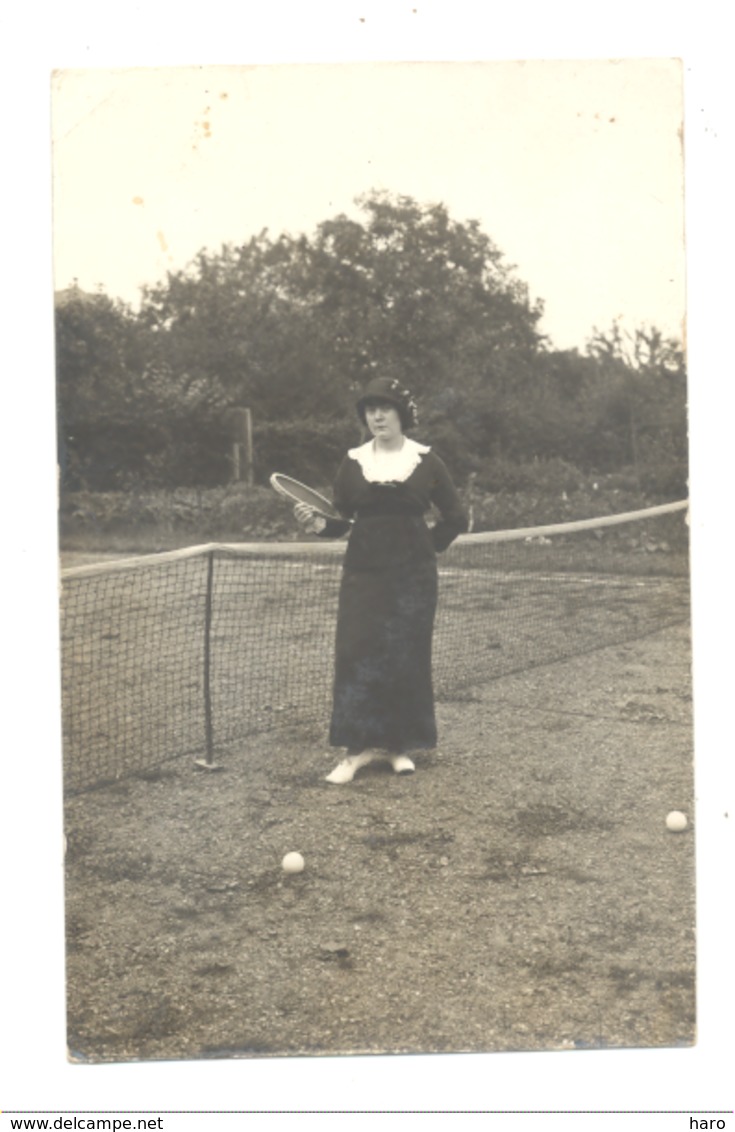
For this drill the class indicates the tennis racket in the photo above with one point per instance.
(297, 492)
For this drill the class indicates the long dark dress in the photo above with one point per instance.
(383, 694)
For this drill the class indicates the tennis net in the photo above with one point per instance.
(186, 653)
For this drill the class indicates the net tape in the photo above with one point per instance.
(186, 653)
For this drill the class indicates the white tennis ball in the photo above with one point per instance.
(293, 863)
(676, 821)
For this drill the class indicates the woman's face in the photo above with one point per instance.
(383, 420)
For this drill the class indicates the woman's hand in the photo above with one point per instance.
(309, 519)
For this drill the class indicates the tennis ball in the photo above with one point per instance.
(676, 821)
(293, 863)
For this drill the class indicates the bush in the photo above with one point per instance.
(450, 444)
(158, 520)
(195, 450)
(549, 477)
(668, 478)
(309, 450)
(124, 455)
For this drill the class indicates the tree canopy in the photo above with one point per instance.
(293, 327)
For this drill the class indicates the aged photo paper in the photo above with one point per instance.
(239, 252)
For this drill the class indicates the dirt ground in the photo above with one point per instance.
(519, 891)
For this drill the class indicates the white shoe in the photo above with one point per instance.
(402, 764)
(346, 770)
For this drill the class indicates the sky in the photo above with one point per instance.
(574, 170)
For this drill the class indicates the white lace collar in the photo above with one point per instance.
(389, 467)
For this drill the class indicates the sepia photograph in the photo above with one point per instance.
(376, 688)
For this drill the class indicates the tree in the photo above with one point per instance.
(410, 292)
(99, 356)
(230, 331)
(99, 359)
(294, 327)
(641, 400)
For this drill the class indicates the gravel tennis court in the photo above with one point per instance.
(520, 891)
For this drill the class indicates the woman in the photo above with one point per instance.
(383, 699)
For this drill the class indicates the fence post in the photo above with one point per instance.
(249, 447)
(242, 430)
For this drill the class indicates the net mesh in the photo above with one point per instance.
(186, 653)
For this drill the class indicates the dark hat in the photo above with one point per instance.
(390, 390)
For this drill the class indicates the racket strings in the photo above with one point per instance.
(298, 492)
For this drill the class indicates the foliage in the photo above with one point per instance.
(294, 327)
(158, 450)
(552, 476)
(162, 519)
(309, 450)
(99, 357)
(147, 519)
(639, 405)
